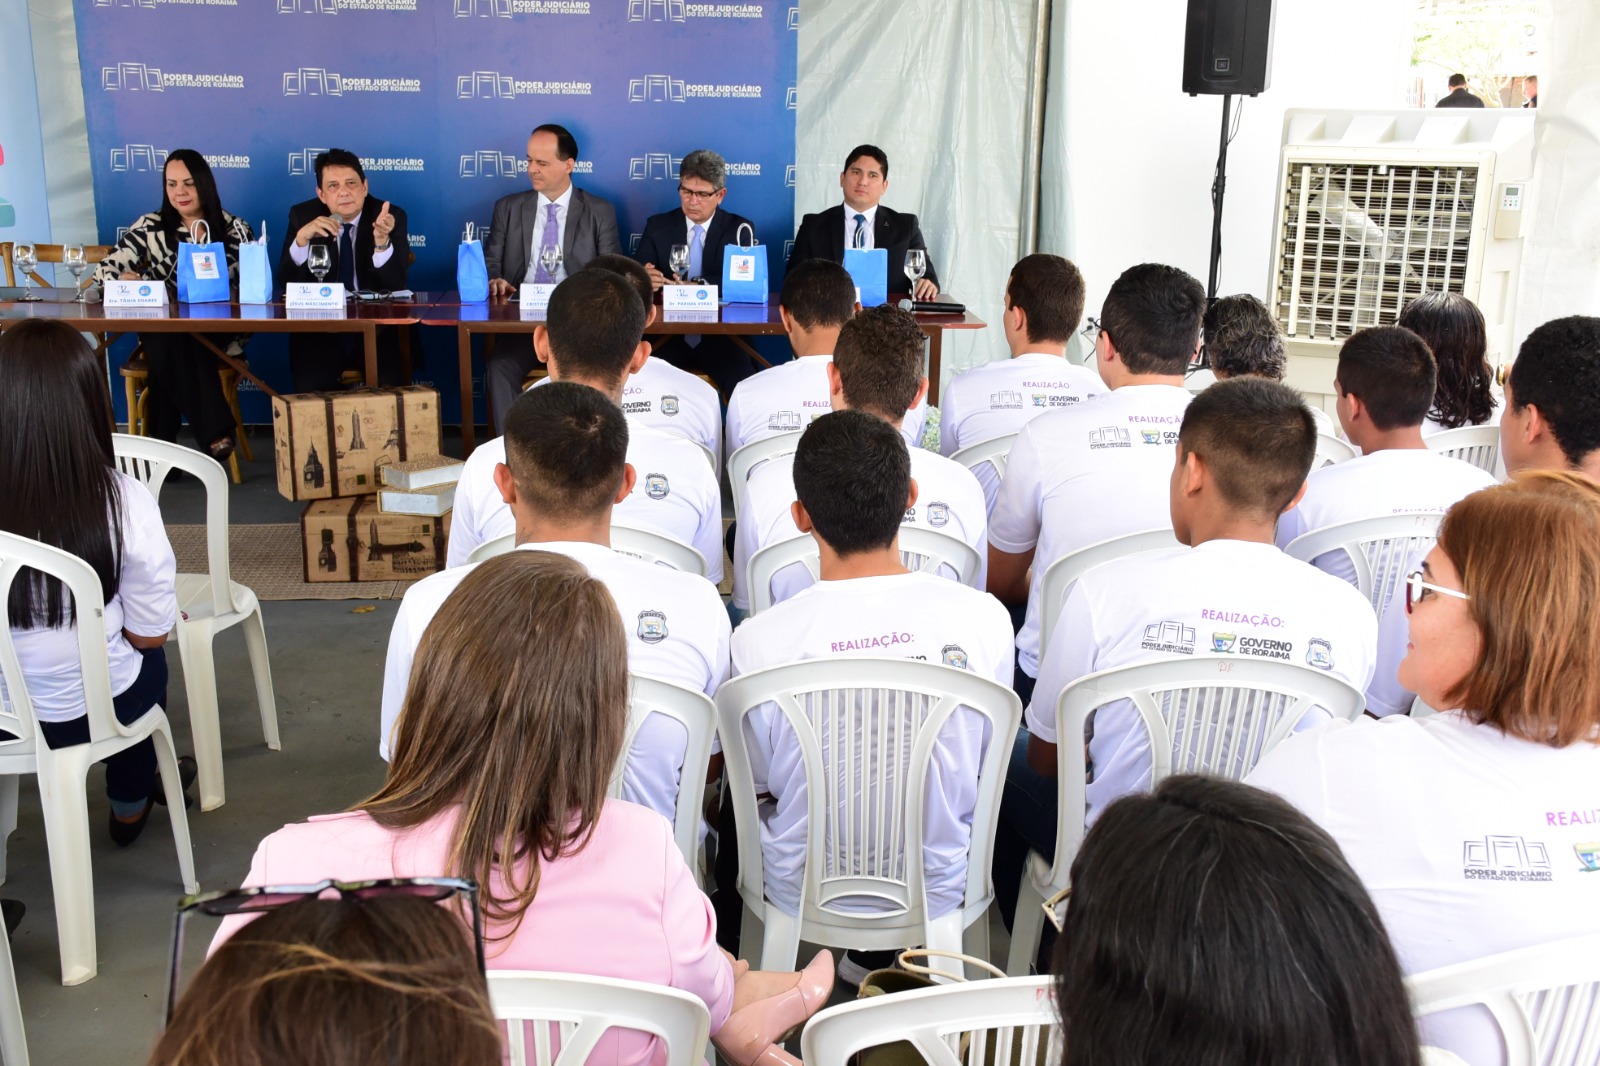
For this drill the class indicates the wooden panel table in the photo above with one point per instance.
(734, 320)
(361, 316)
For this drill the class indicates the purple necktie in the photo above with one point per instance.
(552, 236)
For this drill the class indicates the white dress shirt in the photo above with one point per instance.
(562, 202)
(298, 253)
(918, 616)
(687, 645)
(850, 214)
(1224, 597)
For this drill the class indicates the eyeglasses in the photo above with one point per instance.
(265, 898)
(1415, 587)
(696, 194)
(1055, 908)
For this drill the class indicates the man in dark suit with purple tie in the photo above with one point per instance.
(862, 222)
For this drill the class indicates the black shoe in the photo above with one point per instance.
(12, 910)
(125, 833)
(188, 769)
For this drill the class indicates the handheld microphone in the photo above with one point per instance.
(932, 307)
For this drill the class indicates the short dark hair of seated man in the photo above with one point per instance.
(869, 151)
(1392, 373)
(879, 362)
(567, 449)
(852, 476)
(631, 271)
(566, 143)
(1049, 290)
(1553, 398)
(1257, 942)
(818, 293)
(1153, 314)
(594, 325)
(338, 157)
(1242, 338)
(1257, 439)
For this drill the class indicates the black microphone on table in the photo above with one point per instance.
(932, 307)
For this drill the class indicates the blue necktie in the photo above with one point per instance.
(859, 240)
(697, 255)
(347, 258)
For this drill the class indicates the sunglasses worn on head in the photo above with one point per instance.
(1416, 588)
(265, 898)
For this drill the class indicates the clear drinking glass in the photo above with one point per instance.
(550, 258)
(25, 258)
(680, 260)
(916, 266)
(72, 256)
(319, 260)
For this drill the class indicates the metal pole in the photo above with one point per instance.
(1033, 143)
(1218, 187)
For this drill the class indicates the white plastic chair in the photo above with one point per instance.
(864, 832)
(1061, 574)
(698, 716)
(1330, 450)
(744, 460)
(994, 452)
(1204, 714)
(640, 543)
(13, 1039)
(1383, 550)
(1478, 445)
(62, 771)
(711, 456)
(922, 550)
(582, 1009)
(207, 604)
(1545, 999)
(1004, 1020)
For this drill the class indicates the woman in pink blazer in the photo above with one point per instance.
(514, 718)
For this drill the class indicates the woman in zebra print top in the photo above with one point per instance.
(183, 372)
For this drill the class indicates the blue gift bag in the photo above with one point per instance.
(255, 271)
(869, 268)
(744, 270)
(202, 269)
(472, 275)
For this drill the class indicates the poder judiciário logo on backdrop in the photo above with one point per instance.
(319, 81)
(494, 85)
(142, 77)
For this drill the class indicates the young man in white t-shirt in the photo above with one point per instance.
(1385, 384)
(877, 369)
(659, 394)
(855, 482)
(565, 470)
(1552, 409)
(817, 299)
(1242, 339)
(1244, 450)
(1099, 469)
(1044, 303)
(593, 335)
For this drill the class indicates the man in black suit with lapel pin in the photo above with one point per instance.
(553, 212)
(862, 222)
(370, 252)
(706, 230)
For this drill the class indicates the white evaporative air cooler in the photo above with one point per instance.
(1378, 207)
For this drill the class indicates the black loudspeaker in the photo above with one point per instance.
(1227, 47)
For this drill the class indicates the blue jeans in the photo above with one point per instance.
(131, 772)
(1027, 823)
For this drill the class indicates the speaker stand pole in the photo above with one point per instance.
(1218, 187)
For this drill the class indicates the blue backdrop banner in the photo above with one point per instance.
(437, 97)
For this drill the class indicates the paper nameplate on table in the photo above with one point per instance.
(135, 294)
(124, 311)
(689, 303)
(533, 298)
(320, 314)
(314, 296)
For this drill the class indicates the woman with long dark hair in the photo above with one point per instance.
(60, 487)
(183, 372)
(1453, 328)
(513, 720)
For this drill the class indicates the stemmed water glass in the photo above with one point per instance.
(916, 266)
(550, 259)
(26, 258)
(319, 260)
(680, 260)
(72, 256)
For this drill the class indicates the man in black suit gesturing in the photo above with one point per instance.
(554, 212)
(705, 230)
(370, 252)
(862, 222)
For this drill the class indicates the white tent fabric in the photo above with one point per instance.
(942, 88)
